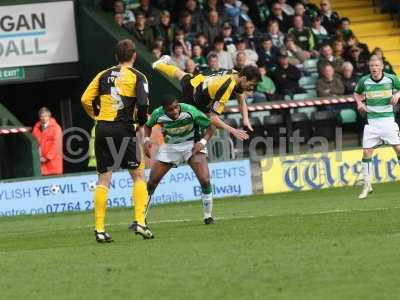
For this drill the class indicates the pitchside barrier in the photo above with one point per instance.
(75, 192)
(326, 170)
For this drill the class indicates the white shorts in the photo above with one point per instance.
(381, 131)
(176, 153)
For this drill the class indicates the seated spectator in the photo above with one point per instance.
(349, 80)
(387, 67)
(321, 36)
(202, 41)
(250, 36)
(338, 48)
(278, 15)
(192, 7)
(329, 84)
(224, 58)
(228, 38)
(191, 68)
(157, 52)
(48, 134)
(265, 89)
(165, 30)
(119, 8)
(198, 58)
(216, 5)
(152, 14)
(258, 12)
(276, 35)
(360, 63)
(303, 35)
(311, 9)
(252, 56)
(327, 57)
(187, 25)
(329, 18)
(142, 32)
(286, 77)
(351, 42)
(240, 61)
(295, 54)
(268, 54)
(178, 56)
(180, 38)
(344, 28)
(287, 9)
(299, 10)
(212, 26)
(119, 20)
(236, 11)
(213, 65)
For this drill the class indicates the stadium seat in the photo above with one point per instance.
(347, 116)
(304, 96)
(272, 125)
(307, 82)
(301, 122)
(324, 124)
(310, 65)
(232, 122)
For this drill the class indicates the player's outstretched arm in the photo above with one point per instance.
(238, 133)
(244, 111)
(360, 104)
(202, 143)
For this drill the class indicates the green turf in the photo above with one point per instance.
(312, 245)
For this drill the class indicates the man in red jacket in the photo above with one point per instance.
(49, 137)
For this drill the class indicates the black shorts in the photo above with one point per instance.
(115, 146)
(192, 96)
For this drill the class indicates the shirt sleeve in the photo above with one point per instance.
(89, 96)
(153, 119)
(222, 96)
(359, 89)
(200, 118)
(142, 98)
(396, 83)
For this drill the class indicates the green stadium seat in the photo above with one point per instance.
(347, 116)
(307, 82)
(310, 65)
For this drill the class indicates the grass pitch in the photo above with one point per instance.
(312, 245)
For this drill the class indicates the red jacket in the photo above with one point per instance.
(50, 147)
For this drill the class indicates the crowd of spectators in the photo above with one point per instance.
(204, 36)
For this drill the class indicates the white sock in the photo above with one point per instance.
(367, 165)
(207, 200)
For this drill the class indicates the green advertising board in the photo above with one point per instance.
(16, 73)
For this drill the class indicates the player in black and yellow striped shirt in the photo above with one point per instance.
(210, 93)
(112, 98)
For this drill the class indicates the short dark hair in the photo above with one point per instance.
(168, 99)
(345, 19)
(251, 73)
(218, 40)
(125, 50)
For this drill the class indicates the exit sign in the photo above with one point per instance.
(17, 73)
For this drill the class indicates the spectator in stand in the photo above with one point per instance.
(202, 40)
(360, 63)
(191, 68)
(303, 36)
(119, 20)
(240, 61)
(179, 38)
(278, 38)
(213, 5)
(265, 89)
(224, 57)
(151, 13)
(198, 58)
(157, 52)
(327, 57)
(188, 26)
(344, 28)
(338, 48)
(278, 15)
(329, 84)
(142, 32)
(250, 36)
(252, 56)
(178, 56)
(286, 77)
(321, 36)
(165, 30)
(228, 38)
(330, 19)
(311, 9)
(236, 11)
(387, 67)
(212, 26)
(48, 134)
(193, 8)
(159, 43)
(349, 80)
(213, 65)
(295, 54)
(268, 54)
(352, 41)
(128, 16)
(287, 9)
(299, 10)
